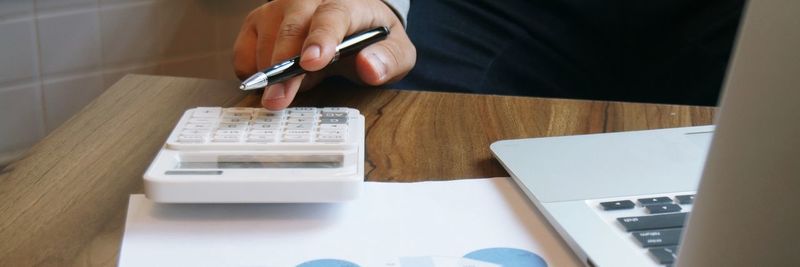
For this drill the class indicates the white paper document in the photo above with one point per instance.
(475, 222)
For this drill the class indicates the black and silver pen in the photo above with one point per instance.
(291, 67)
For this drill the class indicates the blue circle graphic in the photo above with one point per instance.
(508, 257)
(328, 263)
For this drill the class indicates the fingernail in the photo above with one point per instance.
(311, 53)
(378, 64)
(275, 92)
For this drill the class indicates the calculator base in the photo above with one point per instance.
(289, 187)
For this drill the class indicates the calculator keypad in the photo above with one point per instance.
(207, 126)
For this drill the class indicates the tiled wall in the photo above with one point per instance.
(58, 55)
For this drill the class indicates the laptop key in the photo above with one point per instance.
(654, 200)
(664, 255)
(618, 205)
(658, 238)
(652, 222)
(662, 208)
(685, 199)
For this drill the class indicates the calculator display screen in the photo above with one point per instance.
(265, 162)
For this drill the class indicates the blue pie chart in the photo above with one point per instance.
(328, 263)
(508, 257)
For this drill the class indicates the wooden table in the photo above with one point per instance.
(65, 202)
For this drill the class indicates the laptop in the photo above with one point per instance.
(637, 198)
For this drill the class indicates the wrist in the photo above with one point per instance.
(400, 9)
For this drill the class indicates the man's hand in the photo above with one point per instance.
(282, 29)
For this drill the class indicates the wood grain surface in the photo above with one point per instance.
(64, 204)
(417, 135)
(58, 198)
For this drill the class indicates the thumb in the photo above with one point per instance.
(388, 60)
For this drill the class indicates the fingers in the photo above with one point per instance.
(383, 62)
(280, 95)
(244, 51)
(279, 29)
(265, 44)
(292, 30)
(291, 34)
(329, 24)
(386, 61)
(252, 50)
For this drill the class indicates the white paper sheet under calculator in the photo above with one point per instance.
(475, 222)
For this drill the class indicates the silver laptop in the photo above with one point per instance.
(628, 199)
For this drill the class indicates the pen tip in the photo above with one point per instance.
(242, 87)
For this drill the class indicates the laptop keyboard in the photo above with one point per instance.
(659, 230)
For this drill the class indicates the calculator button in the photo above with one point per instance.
(333, 120)
(267, 120)
(299, 126)
(269, 116)
(334, 109)
(206, 112)
(195, 132)
(262, 126)
(295, 120)
(191, 139)
(333, 127)
(198, 126)
(263, 132)
(243, 117)
(202, 120)
(302, 110)
(303, 132)
(268, 113)
(238, 111)
(330, 138)
(226, 138)
(296, 138)
(236, 114)
(300, 115)
(261, 138)
(234, 120)
(232, 126)
(334, 114)
(229, 132)
(329, 132)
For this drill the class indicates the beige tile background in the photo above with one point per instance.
(58, 55)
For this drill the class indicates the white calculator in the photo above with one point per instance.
(253, 155)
